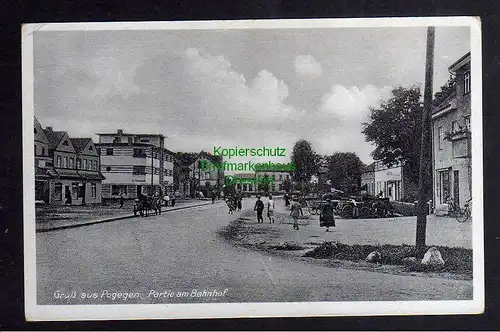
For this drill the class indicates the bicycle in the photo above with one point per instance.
(461, 215)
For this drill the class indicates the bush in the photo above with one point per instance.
(403, 208)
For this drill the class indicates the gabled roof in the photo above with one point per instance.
(54, 137)
(460, 62)
(369, 168)
(80, 143)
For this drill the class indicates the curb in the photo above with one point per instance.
(100, 221)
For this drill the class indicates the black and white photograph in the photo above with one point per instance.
(266, 168)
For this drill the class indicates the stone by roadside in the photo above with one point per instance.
(280, 239)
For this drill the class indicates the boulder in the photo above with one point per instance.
(432, 257)
(374, 257)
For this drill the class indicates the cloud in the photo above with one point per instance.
(306, 65)
(352, 103)
(348, 107)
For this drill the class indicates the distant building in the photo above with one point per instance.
(388, 180)
(279, 179)
(368, 179)
(451, 140)
(66, 169)
(204, 174)
(135, 164)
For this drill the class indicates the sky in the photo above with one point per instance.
(233, 88)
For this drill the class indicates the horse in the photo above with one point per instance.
(149, 204)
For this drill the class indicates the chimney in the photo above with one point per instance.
(120, 131)
(49, 128)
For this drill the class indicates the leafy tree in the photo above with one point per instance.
(446, 90)
(305, 160)
(395, 129)
(287, 185)
(344, 171)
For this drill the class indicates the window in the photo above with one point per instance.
(65, 142)
(58, 192)
(36, 131)
(43, 151)
(78, 163)
(93, 187)
(65, 164)
(145, 140)
(89, 165)
(467, 122)
(115, 190)
(466, 82)
(90, 148)
(139, 170)
(98, 151)
(84, 164)
(440, 138)
(454, 126)
(139, 153)
(130, 140)
(117, 140)
(207, 175)
(58, 161)
(109, 151)
(74, 190)
(35, 149)
(108, 169)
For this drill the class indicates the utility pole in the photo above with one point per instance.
(424, 182)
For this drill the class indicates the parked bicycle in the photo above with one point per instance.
(461, 215)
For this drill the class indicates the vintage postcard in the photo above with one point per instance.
(260, 168)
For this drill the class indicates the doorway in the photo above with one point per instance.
(139, 190)
(456, 188)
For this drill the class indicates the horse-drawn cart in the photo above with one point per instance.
(146, 205)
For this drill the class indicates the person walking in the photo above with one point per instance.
(166, 199)
(213, 197)
(270, 209)
(287, 200)
(259, 207)
(173, 200)
(295, 211)
(326, 217)
(240, 198)
(122, 200)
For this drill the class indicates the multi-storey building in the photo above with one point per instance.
(451, 141)
(66, 169)
(135, 164)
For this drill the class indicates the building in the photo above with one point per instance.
(451, 140)
(280, 179)
(135, 164)
(243, 187)
(388, 180)
(205, 175)
(66, 169)
(368, 179)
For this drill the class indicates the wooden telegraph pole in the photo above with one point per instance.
(424, 181)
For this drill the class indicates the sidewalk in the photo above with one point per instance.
(442, 231)
(54, 218)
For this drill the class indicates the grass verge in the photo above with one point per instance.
(457, 260)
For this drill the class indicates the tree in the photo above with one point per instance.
(305, 160)
(446, 90)
(344, 171)
(395, 129)
(287, 185)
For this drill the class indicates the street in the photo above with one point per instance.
(180, 251)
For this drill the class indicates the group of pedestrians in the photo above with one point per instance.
(326, 216)
(259, 207)
(234, 202)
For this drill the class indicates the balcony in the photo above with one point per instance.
(459, 134)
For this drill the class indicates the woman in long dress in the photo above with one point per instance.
(326, 217)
